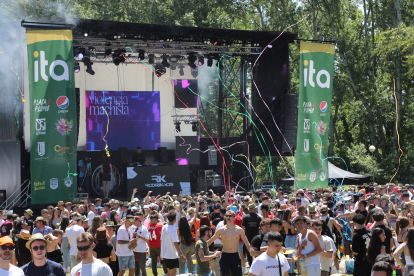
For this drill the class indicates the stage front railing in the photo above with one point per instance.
(15, 197)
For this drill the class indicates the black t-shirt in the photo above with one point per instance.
(257, 241)
(103, 250)
(360, 242)
(331, 214)
(217, 220)
(29, 223)
(364, 213)
(138, 158)
(49, 269)
(251, 222)
(388, 237)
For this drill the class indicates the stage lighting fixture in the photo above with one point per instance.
(85, 34)
(177, 126)
(141, 54)
(191, 60)
(181, 70)
(194, 126)
(165, 62)
(118, 56)
(209, 62)
(173, 67)
(77, 67)
(108, 52)
(175, 58)
(89, 69)
(81, 53)
(200, 61)
(159, 70)
(151, 59)
(194, 73)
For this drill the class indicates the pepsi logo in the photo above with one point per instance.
(323, 106)
(62, 102)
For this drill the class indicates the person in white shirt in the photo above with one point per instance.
(6, 254)
(72, 233)
(169, 245)
(124, 253)
(280, 198)
(140, 252)
(327, 252)
(271, 263)
(90, 265)
(91, 214)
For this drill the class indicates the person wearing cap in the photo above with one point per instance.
(251, 224)
(41, 227)
(28, 219)
(90, 266)
(140, 252)
(72, 232)
(6, 255)
(40, 265)
(125, 254)
(230, 235)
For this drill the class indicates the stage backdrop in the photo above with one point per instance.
(134, 119)
(315, 95)
(52, 115)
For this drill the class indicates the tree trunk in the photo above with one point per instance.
(332, 131)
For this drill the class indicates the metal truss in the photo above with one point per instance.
(185, 118)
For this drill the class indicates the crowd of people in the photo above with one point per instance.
(276, 232)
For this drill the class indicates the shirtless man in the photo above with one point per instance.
(230, 235)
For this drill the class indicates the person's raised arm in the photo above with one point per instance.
(215, 236)
(133, 194)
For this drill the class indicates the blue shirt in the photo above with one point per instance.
(49, 269)
(88, 167)
(46, 230)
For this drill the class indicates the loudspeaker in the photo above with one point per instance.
(2, 196)
(162, 155)
(212, 156)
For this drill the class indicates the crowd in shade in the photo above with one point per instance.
(369, 228)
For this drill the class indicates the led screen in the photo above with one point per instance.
(134, 120)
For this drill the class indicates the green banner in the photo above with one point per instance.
(315, 96)
(52, 116)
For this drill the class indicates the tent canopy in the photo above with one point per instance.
(336, 175)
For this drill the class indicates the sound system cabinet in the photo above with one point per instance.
(162, 155)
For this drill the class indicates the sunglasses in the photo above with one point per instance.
(5, 247)
(409, 217)
(84, 248)
(131, 220)
(227, 216)
(42, 247)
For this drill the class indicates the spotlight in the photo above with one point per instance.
(108, 52)
(77, 67)
(194, 126)
(173, 67)
(89, 69)
(194, 73)
(85, 34)
(191, 60)
(181, 70)
(209, 62)
(177, 126)
(200, 61)
(165, 62)
(159, 70)
(117, 56)
(151, 59)
(141, 54)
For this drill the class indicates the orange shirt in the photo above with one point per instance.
(194, 229)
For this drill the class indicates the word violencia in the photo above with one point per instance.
(114, 105)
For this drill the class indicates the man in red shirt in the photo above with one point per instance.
(154, 243)
(6, 226)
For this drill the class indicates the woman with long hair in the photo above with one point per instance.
(65, 244)
(103, 250)
(22, 253)
(375, 246)
(369, 220)
(408, 249)
(56, 218)
(186, 245)
(290, 232)
(401, 228)
(106, 169)
(96, 223)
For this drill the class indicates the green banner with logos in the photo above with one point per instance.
(315, 97)
(53, 124)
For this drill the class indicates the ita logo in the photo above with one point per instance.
(63, 103)
(43, 71)
(308, 74)
(323, 106)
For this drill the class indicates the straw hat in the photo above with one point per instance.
(24, 234)
(36, 237)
